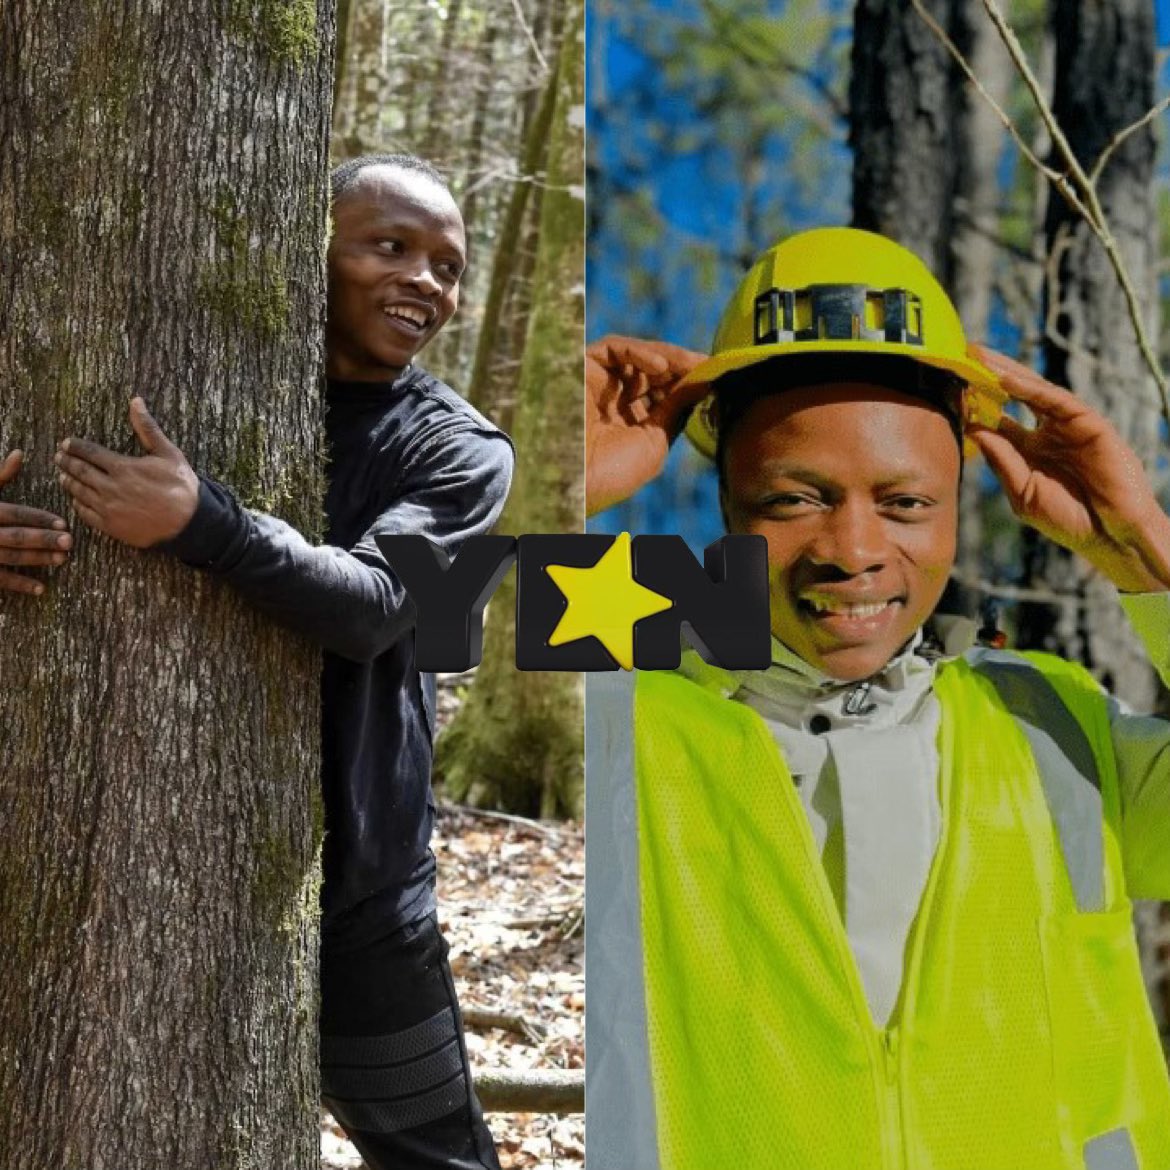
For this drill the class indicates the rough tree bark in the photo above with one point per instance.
(162, 229)
(926, 145)
(902, 99)
(517, 742)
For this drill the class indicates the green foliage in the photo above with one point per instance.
(752, 98)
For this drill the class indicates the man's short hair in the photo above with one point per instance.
(737, 391)
(343, 176)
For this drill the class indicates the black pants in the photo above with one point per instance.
(394, 1068)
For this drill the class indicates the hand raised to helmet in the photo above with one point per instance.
(634, 409)
(1074, 479)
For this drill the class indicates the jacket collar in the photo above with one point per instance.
(792, 690)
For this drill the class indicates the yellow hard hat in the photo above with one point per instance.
(842, 290)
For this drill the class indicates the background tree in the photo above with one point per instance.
(518, 740)
(903, 104)
(162, 229)
(1105, 83)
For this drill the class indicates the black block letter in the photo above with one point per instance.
(725, 608)
(449, 596)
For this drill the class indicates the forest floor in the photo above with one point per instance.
(511, 903)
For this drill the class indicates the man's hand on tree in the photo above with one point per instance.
(634, 408)
(1074, 479)
(139, 500)
(28, 536)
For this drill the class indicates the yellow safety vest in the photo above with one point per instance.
(1022, 1038)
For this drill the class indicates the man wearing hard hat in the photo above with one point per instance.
(870, 908)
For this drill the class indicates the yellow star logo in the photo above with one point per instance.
(604, 602)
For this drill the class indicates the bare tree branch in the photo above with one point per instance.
(481, 1019)
(1015, 593)
(1121, 135)
(531, 1090)
(1092, 212)
(1075, 185)
(1055, 177)
(1101, 368)
(528, 35)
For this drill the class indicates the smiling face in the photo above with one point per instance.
(395, 260)
(856, 489)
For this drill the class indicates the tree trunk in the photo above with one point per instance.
(162, 227)
(517, 742)
(440, 111)
(902, 97)
(501, 396)
(504, 262)
(357, 121)
(473, 170)
(341, 55)
(504, 330)
(1104, 81)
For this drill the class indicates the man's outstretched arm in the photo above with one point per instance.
(347, 600)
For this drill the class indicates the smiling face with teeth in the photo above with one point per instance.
(855, 487)
(396, 256)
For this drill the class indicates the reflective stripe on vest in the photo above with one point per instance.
(717, 958)
(619, 1094)
(1065, 761)
(1111, 1151)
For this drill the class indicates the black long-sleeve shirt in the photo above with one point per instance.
(408, 457)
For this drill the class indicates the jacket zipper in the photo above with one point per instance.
(892, 1097)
